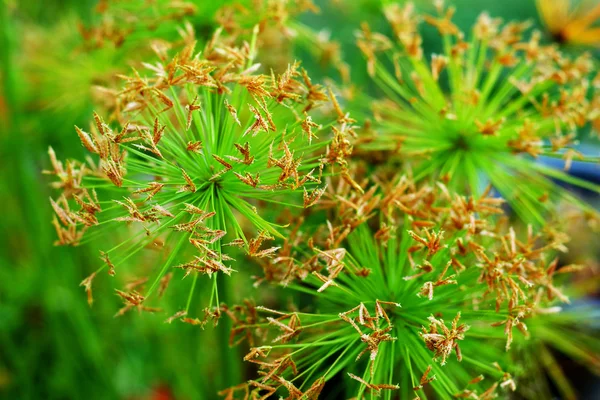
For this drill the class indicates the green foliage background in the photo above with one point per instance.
(52, 345)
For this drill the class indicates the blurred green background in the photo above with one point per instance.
(52, 345)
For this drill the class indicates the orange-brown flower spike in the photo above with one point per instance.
(87, 284)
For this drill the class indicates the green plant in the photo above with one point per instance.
(61, 59)
(206, 139)
(484, 109)
(438, 279)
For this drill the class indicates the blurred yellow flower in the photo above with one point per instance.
(572, 21)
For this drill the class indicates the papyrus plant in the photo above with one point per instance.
(414, 291)
(205, 139)
(484, 110)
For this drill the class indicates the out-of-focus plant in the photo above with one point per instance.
(482, 111)
(73, 72)
(568, 333)
(128, 23)
(79, 70)
(572, 22)
(276, 26)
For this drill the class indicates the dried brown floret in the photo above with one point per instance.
(152, 190)
(87, 284)
(432, 240)
(191, 108)
(378, 334)
(443, 340)
(376, 388)
(106, 259)
(424, 379)
(190, 186)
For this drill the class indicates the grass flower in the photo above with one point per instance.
(484, 109)
(416, 291)
(206, 140)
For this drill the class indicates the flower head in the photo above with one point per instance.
(382, 293)
(484, 110)
(204, 140)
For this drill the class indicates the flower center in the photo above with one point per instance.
(461, 142)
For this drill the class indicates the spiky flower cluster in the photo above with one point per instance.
(485, 109)
(401, 284)
(388, 286)
(205, 140)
